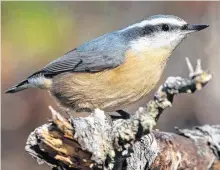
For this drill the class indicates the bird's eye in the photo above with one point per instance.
(184, 27)
(165, 27)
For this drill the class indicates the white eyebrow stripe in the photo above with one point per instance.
(157, 21)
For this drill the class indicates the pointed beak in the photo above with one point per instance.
(193, 28)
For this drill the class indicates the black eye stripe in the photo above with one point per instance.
(148, 29)
(184, 27)
(151, 29)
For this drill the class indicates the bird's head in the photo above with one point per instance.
(159, 31)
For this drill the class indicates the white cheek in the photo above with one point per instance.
(161, 40)
(146, 42)
(140, 44)
(177, 40)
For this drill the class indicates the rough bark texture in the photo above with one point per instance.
(97, 142)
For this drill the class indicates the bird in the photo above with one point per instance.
(113, 70)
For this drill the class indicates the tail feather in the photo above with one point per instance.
(19, 87)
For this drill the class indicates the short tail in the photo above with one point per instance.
(19, 87)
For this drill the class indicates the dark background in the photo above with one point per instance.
(35, 33)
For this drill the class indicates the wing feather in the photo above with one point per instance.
(96, 55)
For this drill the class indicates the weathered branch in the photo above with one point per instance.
(98, 142)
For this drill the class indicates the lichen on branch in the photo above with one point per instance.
(99, 142)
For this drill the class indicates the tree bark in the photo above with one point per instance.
(98, 142)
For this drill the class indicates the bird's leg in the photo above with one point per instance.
(124, 115)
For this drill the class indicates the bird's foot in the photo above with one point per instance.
(124, 115)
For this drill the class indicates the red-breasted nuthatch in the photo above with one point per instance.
(115, 69)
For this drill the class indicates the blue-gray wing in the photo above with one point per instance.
(102, 53)
(82, 62)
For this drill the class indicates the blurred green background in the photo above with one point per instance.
(35, 33)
